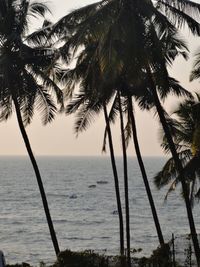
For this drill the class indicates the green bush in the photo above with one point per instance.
(160, 257)
(69, 258)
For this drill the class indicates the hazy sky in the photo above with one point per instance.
(58, 137)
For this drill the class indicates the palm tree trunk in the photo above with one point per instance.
(125, 182)
(112, 157)
(144, 175)
(180, 170)
(38, 176)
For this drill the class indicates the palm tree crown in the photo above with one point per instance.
(25, 70)
(185, 130)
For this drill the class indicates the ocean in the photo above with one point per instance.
(83, 207)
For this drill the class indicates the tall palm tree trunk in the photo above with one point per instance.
(144, 175)
(38, 176)
(125, 182)
(180, 170)
(112, 157)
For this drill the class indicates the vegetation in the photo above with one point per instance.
(25, 77)
(137, 30)
(185, 132)
(122, 51)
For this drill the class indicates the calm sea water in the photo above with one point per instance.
(84, 216)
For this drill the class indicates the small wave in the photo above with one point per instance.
(102, 182)
(21, 231)
(60, 221)
(92, 222)
(57, 195)
(88, 209)
(79, 238)
(17, 223)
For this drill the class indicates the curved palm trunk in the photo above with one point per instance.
(38, 176)
(180, 170)
(112, 157)
(125, 182)
(144, 175)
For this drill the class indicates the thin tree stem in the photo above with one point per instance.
(144, 175)
(116, 180)
(179, 168)
(38, 176)
(126, 187)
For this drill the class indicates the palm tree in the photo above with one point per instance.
(86, 104)
(117, 107)
(180, 169)
(26, 77)
(177, 47)
(143, 171)
(94, 86)
(128, 39)
(186, 135)
(129, 30)
(126, 187)
(116, 180)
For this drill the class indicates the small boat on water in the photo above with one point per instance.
(73, 196)
(115, 212)
(92, 186)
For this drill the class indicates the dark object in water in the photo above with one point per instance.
(102, 182)
(115, 212)
(2, 259)
(73, 196)
(92, 186)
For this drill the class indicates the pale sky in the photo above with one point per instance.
(58, 138)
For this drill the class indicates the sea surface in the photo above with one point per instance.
(83, 210)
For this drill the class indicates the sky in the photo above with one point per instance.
(58, 138)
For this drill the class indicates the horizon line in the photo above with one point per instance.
(67, 155)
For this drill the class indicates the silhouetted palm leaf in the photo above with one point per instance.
(186, 134)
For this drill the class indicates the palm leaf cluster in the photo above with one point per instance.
(186, 134)
(26, 71)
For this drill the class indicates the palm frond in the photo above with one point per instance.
(85, 116)
(45, 105)
(38, 9)
(128, 130)
(75, 103)
(195, 74)
(112, 118)
(176, 11)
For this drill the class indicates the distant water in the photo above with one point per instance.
(83, 210)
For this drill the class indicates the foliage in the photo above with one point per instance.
(85, 258)
(160, 257)
(28, 71)
(23, 264)
(186, 134)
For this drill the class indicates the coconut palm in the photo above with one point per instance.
(27, 73)
(88, 71)
(186, 135)
(126, 186)
(117, 107)
(86, 104)
(86, 61)
(128, 39)
(116, 180)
